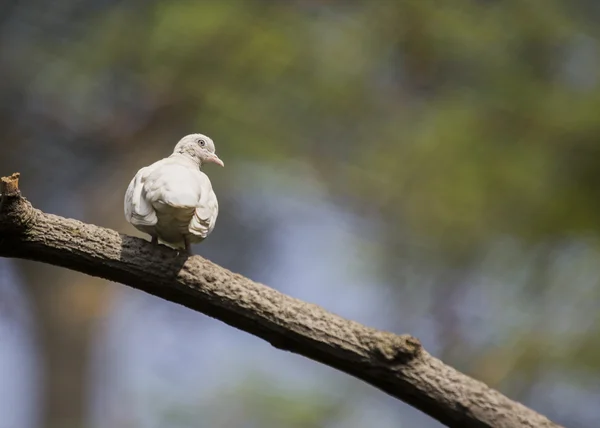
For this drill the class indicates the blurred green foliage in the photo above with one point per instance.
(459, 122)
(467, 130)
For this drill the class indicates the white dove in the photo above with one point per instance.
(172, 200)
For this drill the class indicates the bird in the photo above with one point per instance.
(172, 200)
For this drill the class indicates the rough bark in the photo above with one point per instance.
(396, 364)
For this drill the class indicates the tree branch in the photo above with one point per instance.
(395, 364)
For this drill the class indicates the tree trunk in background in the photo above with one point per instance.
(66, 307)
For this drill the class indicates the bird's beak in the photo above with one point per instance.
(214, 159)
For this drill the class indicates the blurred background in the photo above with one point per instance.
(422, 167)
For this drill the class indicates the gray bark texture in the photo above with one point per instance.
(396, 364)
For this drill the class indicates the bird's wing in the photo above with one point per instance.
(170, 188)
(173, 185)
(138, 209)
(205, 215)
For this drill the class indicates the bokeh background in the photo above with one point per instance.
(424, 167)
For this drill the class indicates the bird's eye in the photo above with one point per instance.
(202, 142)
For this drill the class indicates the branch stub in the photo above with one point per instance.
(9, 186)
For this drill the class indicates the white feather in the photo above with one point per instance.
(172, 200)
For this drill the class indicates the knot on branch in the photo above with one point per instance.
(393, 349)
(15, 212)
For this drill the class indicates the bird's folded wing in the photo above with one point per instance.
(205, 215)
(139, 210)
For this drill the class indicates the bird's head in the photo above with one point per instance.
(199, 147)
